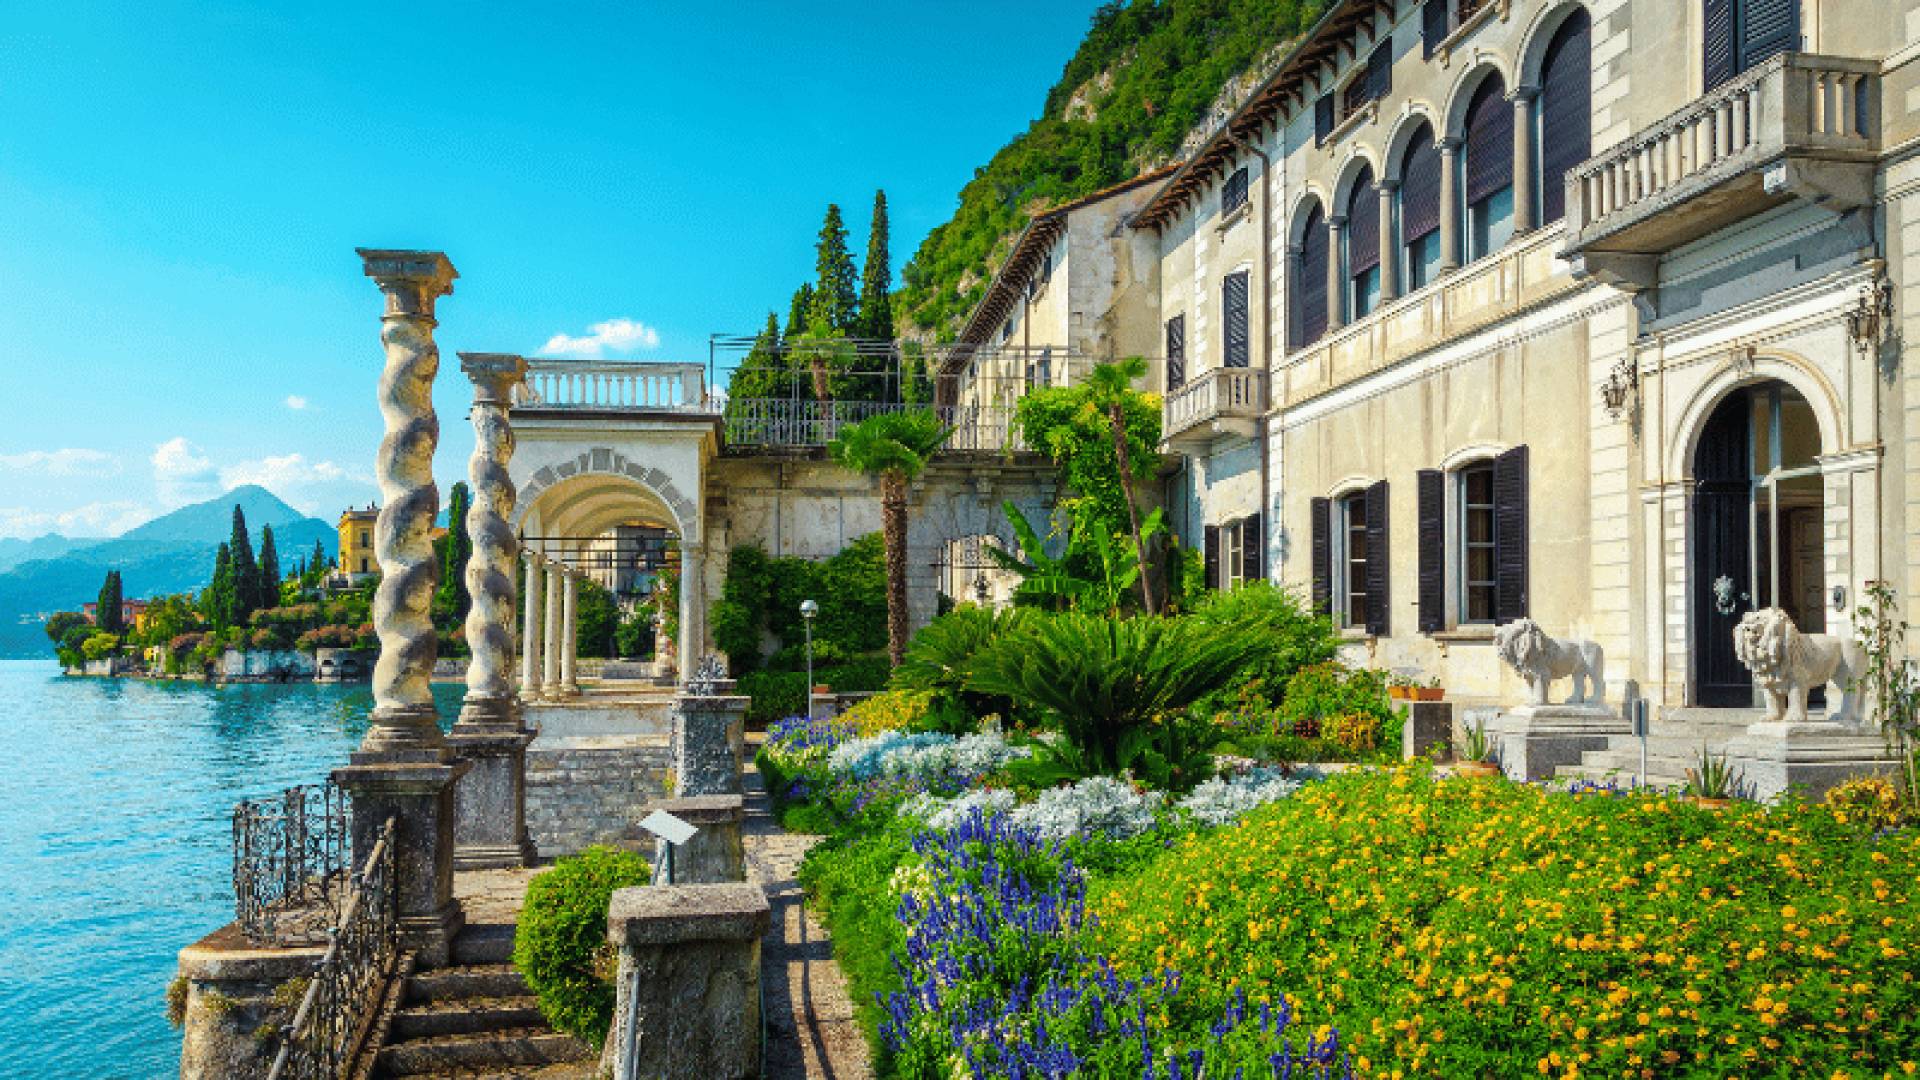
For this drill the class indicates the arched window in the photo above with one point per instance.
(1419, 210)
(1566, 119)
(1486, 169)
(1363, 246)
(1310, 286)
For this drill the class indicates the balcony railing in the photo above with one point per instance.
(1798, 124)
(1227, 400)
(788, 423)
(598, 385)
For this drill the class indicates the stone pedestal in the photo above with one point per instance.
(709, 744)
(1772, 758)
(688, 984)
(1427, 730)
(490, 802)
(419, 795)
(232, 988)
(1533, 740)
(717, 852)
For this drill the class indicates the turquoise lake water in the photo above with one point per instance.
(116, 801)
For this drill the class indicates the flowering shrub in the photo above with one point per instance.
(1358, 733)
(1869, 800)
(1454, 928)
(1099, 806)
(1227, 798)
(941, 813)
(798, 741)
(892, 710)
(928, 756)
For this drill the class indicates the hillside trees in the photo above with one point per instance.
(106, 612)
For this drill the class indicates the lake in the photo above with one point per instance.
(116, 846)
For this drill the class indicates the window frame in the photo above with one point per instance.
(1460, 510)
(1349, 516)
(1176, 350)
(1235, 193)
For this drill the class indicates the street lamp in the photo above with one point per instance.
(808, 609)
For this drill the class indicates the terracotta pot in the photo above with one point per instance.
(1399, 693)
(1429, 693)
(1479, 769)
(823, 688)
(1709, 804)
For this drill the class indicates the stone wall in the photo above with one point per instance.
(264, 665)
(582, 792)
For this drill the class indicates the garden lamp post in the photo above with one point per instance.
(808, 609)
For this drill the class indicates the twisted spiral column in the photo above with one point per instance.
(491, 569)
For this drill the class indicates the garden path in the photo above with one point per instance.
(811, 1029)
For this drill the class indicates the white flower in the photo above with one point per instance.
(1097, 806)
(1226, 798)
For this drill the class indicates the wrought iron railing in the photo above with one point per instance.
(783, 422)
(290, 857)
(330, 1029)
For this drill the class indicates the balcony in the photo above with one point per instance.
(1224, 401)
(764, 423)
(1798, 126)
(600, 386)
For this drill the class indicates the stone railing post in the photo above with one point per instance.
(490, 802)
(687, 989)
(405, 768)
(717, 853)
(709, 741)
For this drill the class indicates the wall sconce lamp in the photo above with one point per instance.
(1871, 314)
(1621, 387)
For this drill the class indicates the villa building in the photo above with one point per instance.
(357, 561)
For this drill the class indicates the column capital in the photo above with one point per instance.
(412, 280)
(1337, 222)
(1449, 144)
(1523, 94)
(494, 375)
(1386, 186)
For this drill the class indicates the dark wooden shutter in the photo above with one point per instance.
(1252, 555)
(1378, 606)
(1321, 511)
(1510, 535)
(1233, 306)
(1176, 352)
(1718, 60)
(1566, 111)
(1380, 71)
(1419, 187)
(1434, 25)
(1212, 537)
(1433, 550)
(1310, 319)
(1363, 225)
(1322, 119)
(1767, 28)
(1234, 194)
(1489, 141)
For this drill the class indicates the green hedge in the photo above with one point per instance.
(561, 942)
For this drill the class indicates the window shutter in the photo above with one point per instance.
(1233, 302)
(1419, 187)
(1212, 536)
(1718, 63)
(1510, 535)
(1489, 141)
(1433, 550)
(1176, 352)
(1363, 225)
(1252, 560)
(1380, 71)
(1322, 119)
(1321, 511)
(1310, 321)
(1767, 28)
(1433, 25)
(1233, 195)
(1566, 119)
(1378, 605)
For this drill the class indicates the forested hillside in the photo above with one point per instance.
(1146, 73)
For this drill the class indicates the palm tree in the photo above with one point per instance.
(895, 447)
(1109, 385)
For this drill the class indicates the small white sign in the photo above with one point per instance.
(668, 828)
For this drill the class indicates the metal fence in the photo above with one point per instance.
(290, 858)
(763, 422)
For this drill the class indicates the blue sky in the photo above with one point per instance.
(182, 187)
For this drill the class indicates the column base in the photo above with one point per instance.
(1534, 740)
(417, 792)
(1811, 758)
(490, 802)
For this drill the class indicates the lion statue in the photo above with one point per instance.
(1787, 663)
(1541, 659)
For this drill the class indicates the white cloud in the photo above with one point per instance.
(614, 335)
(296, 402)
(312, 487)
(182, 474)
(109, 518)
(68, 462)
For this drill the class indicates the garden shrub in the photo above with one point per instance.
(893, 710)
(761, 598)
(1461, 928)
(941, 655)
(773, 694)
(1870, 800)
(561, 944)
(1292, 637)
(1320, 693)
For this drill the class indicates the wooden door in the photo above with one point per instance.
(1720, 563)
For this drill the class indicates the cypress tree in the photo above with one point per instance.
(106, 610)
(216, 604)
(455, 553)
(317, 563)
(835, 307)
(876, 304)
(797, 311)
(269, 569)
(246, 572)
(761, 374)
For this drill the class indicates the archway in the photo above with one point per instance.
(1757, 529)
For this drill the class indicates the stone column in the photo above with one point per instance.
(490, 802)
(570, 636)
(550, 655)
(687, 986)
(1523, 98)
(1389, 254)
(1449, 203)
(532, 637)
(692, 643)
(404, 769)
(1336, 272)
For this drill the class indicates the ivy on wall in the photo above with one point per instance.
(757, 622)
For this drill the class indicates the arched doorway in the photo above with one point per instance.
(1757, 536)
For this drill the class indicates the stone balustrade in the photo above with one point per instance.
(1229, 399)
(601, 385)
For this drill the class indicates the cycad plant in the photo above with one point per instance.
(941, 658)
(894, 447)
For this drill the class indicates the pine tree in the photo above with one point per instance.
(216, 604)
(457, 550)
(876, 304)
(106, 611)
(797, 312)
(269, 569)
(762, 374)
(317, 564)
(246, 572)
(836, 299)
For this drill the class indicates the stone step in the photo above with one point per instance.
(491, 1052)
(466, 1016)
(484, 943)
(574, 1070)
(1623, 776)
(456, 983)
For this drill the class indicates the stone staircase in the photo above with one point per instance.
(1673, 746)
(477, 1018)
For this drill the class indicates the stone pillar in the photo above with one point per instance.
(692, 643)
(1449, 203)
(717, 852)
(1336, 272)
(405, 769)
(1523, 98)
(570, 635)
(550, 655)
(687, 989)
(532, 637)
(709, 744)
(1389, 253)
(490, 802)
(229, 988)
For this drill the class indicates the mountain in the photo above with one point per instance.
(14, 552)
(170, 554)
(1147, 73)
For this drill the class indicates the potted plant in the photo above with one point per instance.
(1402, 687)
(1480, 759)
(1432, 691)
(1712, 783)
